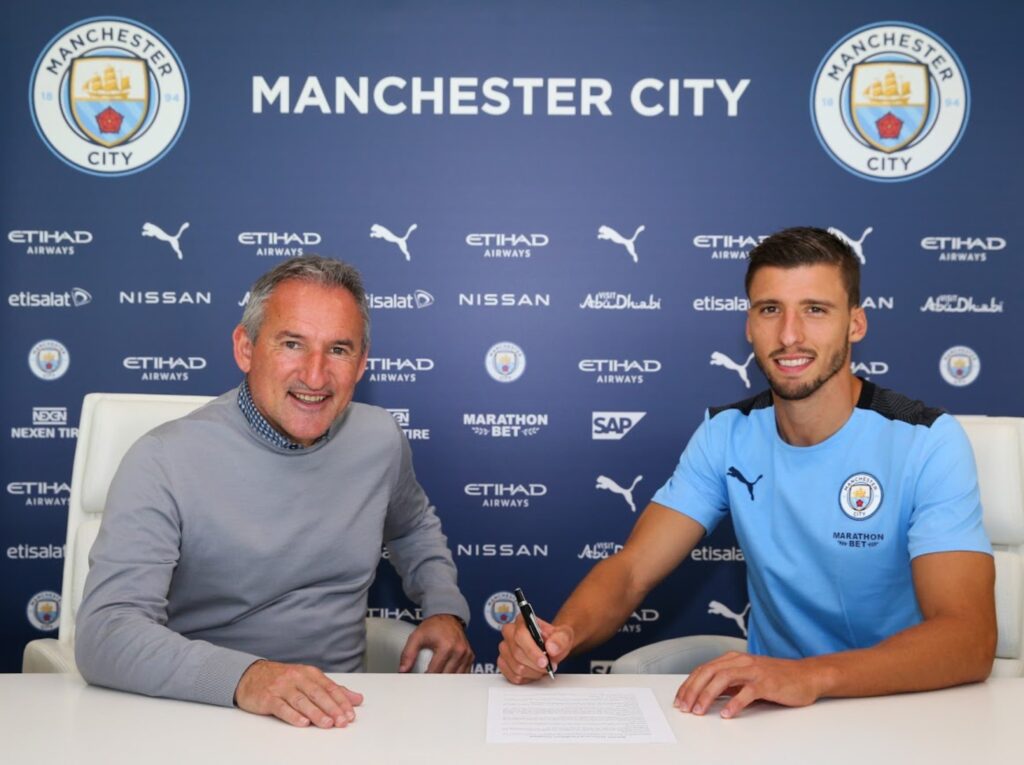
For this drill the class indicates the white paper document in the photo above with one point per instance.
(545, 715)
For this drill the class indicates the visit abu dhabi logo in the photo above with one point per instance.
(109, 96)
(890, 101)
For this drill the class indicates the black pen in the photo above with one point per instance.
(531, 624)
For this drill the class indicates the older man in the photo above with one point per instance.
(239, 542)
(857, 509)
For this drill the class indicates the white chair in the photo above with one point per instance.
(998, 444)
(110, 423)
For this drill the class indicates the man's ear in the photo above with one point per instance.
(858, 324)
(243, 348)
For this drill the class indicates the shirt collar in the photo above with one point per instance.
(259, 423)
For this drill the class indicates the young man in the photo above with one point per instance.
(239, 542)
(857, 510)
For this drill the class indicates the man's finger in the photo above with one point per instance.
(332, 711)
(282, 710)
(740, 701)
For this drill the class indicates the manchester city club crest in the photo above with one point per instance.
(505, 362)
(48, 359)
(109, 96)
(890, 101)
(960, 366)
(861, 496)
(500, 609)
(44, 611)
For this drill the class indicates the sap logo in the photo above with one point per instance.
(989, 243)
(406, 614)
(505, 300)
(49, 237)
(488, 550)
(869, 368)
(599, 550)
(75, 298)
(601, 666)
(167, 297)
(613, 426)
(37, 488)
(193, 363)
(49, 415)
(505, 489)
(285, 238)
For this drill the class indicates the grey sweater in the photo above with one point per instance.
(217, 549)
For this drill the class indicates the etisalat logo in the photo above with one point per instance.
(400, 301)
(76, 297)
(505, 424)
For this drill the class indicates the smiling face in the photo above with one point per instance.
(307, 358)
(801, 326)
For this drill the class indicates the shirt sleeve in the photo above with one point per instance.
(417, 546)
(122, 640)
(697, 487)
(946, 515)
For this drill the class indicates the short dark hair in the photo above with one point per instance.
(807, 246)
(327, 272)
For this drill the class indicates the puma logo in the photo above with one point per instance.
(720, 609)
(606, 483)
(378, 231)
(153, 230)
(607, 232)
(734, 473)
(857, 246)
(719, 359)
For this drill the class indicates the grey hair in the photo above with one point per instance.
(326, 272)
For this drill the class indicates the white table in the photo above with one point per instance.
(441, 719)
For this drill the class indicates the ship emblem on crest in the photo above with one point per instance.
(109, 97)
(861, 496)
(889, 103)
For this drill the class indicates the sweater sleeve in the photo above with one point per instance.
(418, 547)
(122, 640)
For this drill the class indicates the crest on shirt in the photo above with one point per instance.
(861, 496)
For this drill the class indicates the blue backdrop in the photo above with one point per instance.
(576, 183)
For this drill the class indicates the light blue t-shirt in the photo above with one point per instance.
(828, 531)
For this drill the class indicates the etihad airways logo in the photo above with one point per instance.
(76, 297)
(164, 368)
(398, 302)
(397, 369)
(505, 495)
(869, 369)
(728, 246)
(505, 424)
(620, 301)
(960, 304)
(40, 493)
(280, 244)
(49, 242)
(963, 249)
(507, 246)
(639, 618)
(620, 371)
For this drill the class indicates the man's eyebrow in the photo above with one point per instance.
(805, 301)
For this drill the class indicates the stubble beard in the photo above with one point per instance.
(836, 363)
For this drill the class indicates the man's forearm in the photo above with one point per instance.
(938, 653)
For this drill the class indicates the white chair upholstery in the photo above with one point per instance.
(110, 423)
(998, 444)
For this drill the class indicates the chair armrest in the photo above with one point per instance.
(678, 656)
(385, 639)
(49, 655)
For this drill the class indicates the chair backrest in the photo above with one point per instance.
(110, 423)
(998, 444)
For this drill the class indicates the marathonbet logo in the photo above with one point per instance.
(505, 424)
(613, 426)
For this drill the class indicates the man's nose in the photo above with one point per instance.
(315, 371)
(792, 329)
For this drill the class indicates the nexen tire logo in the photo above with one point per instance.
(613, 426)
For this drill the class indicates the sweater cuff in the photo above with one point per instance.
(446, 603)
(219, 675)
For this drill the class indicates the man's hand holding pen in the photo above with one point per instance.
(521, 660)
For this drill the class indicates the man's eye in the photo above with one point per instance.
(339, 350)
(291, 345)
